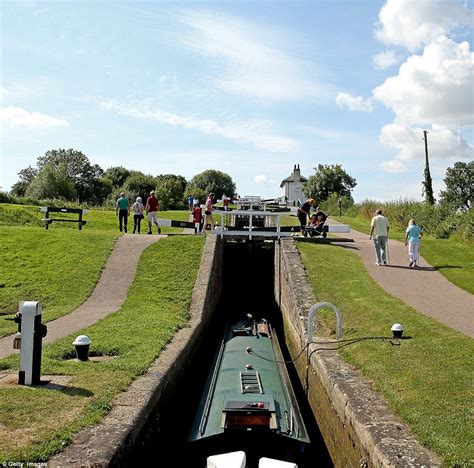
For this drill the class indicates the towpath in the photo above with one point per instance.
(107, 297)
(423, 288)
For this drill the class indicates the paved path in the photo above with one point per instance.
(108, 295)
(424, 288)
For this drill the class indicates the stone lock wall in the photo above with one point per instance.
(109, 442)
(358, 427)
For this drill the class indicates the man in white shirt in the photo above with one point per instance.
(379, 228)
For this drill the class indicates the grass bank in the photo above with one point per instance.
(58, 268)
(454, 260)
(156, 307)
(427, 380)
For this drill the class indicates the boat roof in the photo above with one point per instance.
(247, 381)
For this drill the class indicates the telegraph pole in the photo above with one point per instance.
(427, 184)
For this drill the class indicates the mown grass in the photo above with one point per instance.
(454, 260)
(156, 307)
(427, 380)
(27, 215)
(58, 268)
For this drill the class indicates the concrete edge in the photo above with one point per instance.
(106, 443)
(378, 436)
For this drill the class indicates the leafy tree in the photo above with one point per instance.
(459, 182)
(329, 179)
(170, 191)
(117, 175)
(211, 181)
(26, 177)
(52, 181)
(79, 169)
(138, 185)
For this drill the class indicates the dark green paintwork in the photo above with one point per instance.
(234, 358)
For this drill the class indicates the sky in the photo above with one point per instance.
(250, 88)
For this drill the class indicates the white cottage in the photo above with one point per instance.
(293, 186)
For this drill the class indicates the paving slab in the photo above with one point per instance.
(423, 288)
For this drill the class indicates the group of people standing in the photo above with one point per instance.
(122, 210)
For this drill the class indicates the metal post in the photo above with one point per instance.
(313, 311)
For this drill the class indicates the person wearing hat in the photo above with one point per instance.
(122, 210)
(208, 209)
(152, 207)
(137, 214)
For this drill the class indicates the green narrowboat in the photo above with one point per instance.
(248, 402)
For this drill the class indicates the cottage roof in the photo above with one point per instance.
(291, 178)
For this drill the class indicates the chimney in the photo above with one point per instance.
(296, 173)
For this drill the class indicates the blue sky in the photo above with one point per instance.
(250, 88)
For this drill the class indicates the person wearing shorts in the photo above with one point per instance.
(208, 209)
(303, 213)
(152, 207)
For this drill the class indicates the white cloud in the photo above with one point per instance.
(18, 117)
(263, 180)
(393, 165)
(355, 103)
(248, 58)
(413, 24)
(434, 88)
(385, 59)
(443, 144)
(256, 132)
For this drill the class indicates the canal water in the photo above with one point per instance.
(248, 282)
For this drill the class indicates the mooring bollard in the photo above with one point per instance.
(82, 344)
(29, 340)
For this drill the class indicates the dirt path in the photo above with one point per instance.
(107, 297)
(425, 289)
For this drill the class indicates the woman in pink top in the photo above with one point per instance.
(208, 209)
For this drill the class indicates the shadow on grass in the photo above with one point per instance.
(445, 267)
(66, 389)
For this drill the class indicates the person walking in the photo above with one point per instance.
(379, 228)
(122, 210)
(225, 202)
(208, 209)
(152, 207)
(137, 214)
(304, 212)
(413, 237)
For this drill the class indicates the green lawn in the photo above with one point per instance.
(452, 259)
(427, 380)
(58, 267)
(136, 334)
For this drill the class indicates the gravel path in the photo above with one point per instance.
(108, 295)
(423, 288)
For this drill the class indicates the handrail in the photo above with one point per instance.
(314, 309)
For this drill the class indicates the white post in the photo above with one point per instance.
(29, 311)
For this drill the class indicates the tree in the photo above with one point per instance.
(329, 179)
(117, 175)
(459, 182)
(26, 177)
(138, 185)
(170, 191)
(79, 169)
(213, 181)
(52, 181)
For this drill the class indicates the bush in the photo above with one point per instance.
(441, 221)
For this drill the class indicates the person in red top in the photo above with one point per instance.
(152, 207)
